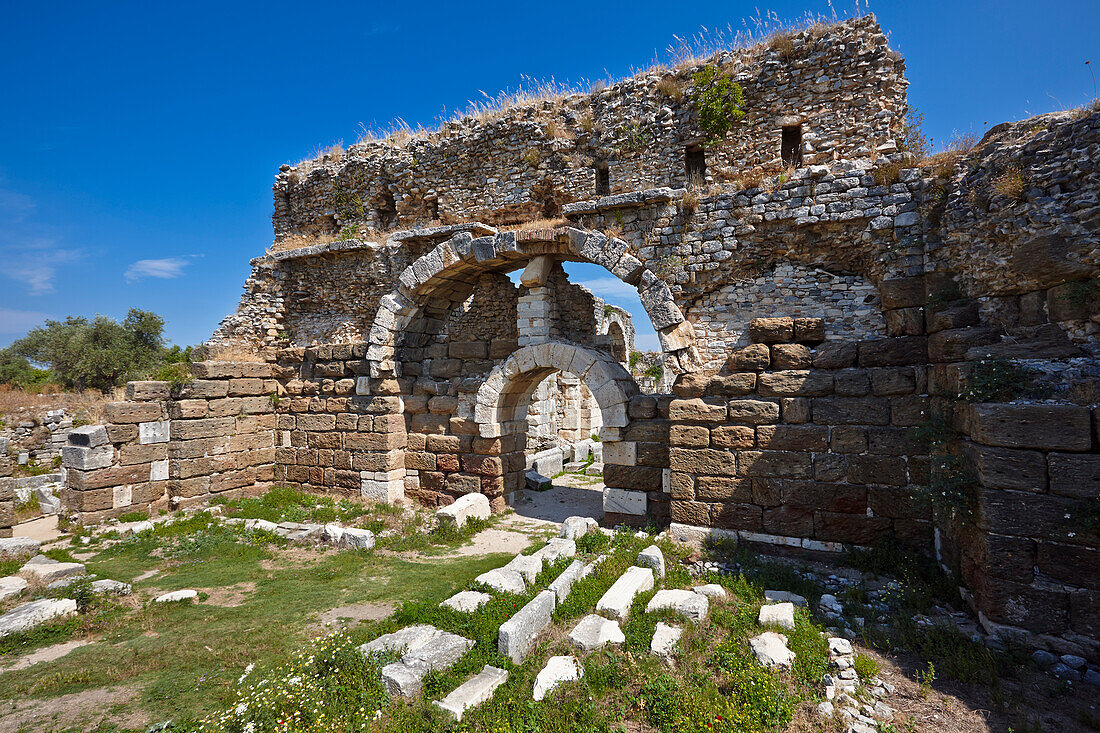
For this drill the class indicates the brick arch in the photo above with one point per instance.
(447, 275)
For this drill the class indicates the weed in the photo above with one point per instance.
(996, 380)
(887, 174)
(532, 156)
(135, 516)
(670, 87)
(924, 680)
(912, 139)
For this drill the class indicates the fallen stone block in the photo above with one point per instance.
(465, 508)
(473, 692)
(593, 632)
(402, 640)
(710, 590)
(777, 614)
(17, 548)
(176, 596)
(439, 652)
(467, 601)
(556, 549)
(47, 570)
(684, 602)
(665, 638)
(839, 646)
(562, 584)
(28, 615)
(574, 528)
(503, 580)
(556, 671)
(261, 524)
(783, 596)
(652, 557)
(771, 650)
(536, 481)
(529, 566)
(11, 586)
(357, 539)
(619, 597)
(401, 679)
(109, 587)
(518, 633)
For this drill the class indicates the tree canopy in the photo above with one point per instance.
(100, 353)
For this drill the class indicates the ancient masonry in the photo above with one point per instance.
(822, 299)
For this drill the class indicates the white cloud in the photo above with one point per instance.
(35, 262)
(165, 269)
(612, 290)
(17, 321)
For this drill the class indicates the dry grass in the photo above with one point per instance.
(534, 224)
(783, 44)
(556, 130)
(1011, 183)
(85, 407)
(298, 241)
(943, 163)
(671, 87)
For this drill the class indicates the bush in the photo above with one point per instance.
(718, 101)
(865, 667)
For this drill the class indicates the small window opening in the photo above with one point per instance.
(792, 145)
(603, 181)
(433, 209)
(695, 163)
(387, 211)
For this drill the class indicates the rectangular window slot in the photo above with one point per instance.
(792, 145)
(603, 181)
(695, 164)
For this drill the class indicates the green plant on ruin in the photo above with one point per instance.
(348, 231)
(951, 487)
(1076, 294)
(997, 380)
(666, 266)
(609, 310)
(532, 156)
(718, 101)
(635, 358)
(654, 371)
(925, 679)
(865, 667)
(634, 138)
(944, 295)
(346, 198)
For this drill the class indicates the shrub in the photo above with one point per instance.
(865, 667)
(670, 87)
(996, 380)
(718, 101)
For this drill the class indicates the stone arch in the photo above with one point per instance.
(513, 380)
(509, 386)
(447, 275)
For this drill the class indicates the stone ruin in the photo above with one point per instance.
(819, 295)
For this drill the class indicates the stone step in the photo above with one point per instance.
(473, 692)
(503, 580)
(619, 597)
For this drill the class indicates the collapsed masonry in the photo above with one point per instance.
(813, 319)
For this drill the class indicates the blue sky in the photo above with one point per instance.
(139, 141)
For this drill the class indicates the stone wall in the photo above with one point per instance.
(841, 84)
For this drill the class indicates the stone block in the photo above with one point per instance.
(795, 382)
(594, 632)
(753, 412)
(752, 358)
(1076, 476)
(698, 410)
(557, 670)
(466, 601)
(1004, 468)
(790, 356)
(665, 638)
(851, 411)
(809, 330)
(652, 557)
(1046, 427)
(124, 413)
(898, 351)
(710, 461)
(35, 613)
(503, 581)
(473, 692)
(770, 649)
(517, 635)
(638, 478)
(622, 501)
(793, 437)
(87, 459)
(771, 330)
(88, 436)
(777, 614)
(689, 604)
(470, 506)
